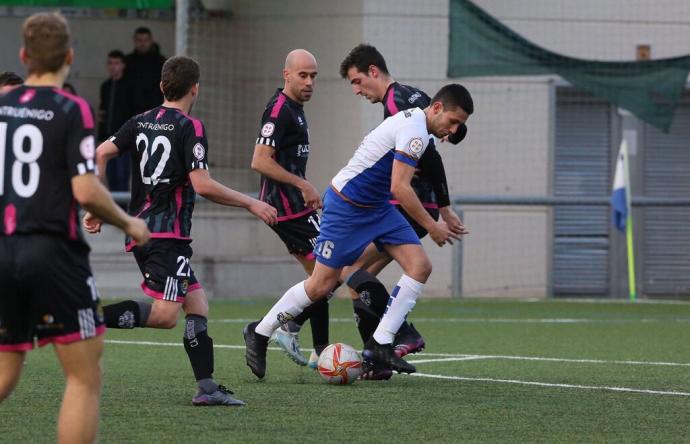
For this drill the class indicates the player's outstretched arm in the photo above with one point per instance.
(219, 193)
(94, 197)
(105, 151)
(263, 162)
(403, 192)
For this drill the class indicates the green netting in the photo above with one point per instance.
(124, 4)
(481, 46)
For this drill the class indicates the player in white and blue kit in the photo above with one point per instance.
(357, 212)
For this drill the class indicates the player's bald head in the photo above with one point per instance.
(300, 58)
(299, 74)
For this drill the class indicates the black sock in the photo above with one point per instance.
(366, 319)
(199, 346)
(370, 290)
(301, 318)
(126, 314)
(319, 324)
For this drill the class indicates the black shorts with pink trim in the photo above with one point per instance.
(299, 234)
(48, 293)
(164, 263)
(421, 232)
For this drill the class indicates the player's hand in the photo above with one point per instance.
(264, 211)
(311, 196)
(453, 221)
(91, 223)
(440, 233)
(136, 228)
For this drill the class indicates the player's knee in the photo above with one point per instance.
(317, 290)
(421, 270)
(163, 320)
(168, 322)
(87, 380)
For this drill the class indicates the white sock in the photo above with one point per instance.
(293, 302)
(401, 302)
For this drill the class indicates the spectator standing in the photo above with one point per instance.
(114, 110)
(143, 71)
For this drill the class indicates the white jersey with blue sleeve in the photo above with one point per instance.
(366, 179)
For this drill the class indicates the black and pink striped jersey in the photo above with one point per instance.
(284, 128)
(166, 145)
(400, 97)
(46, 138)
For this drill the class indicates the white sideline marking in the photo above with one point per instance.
(470, 357)
(451, 356)
(465, 358)
(547, 384)
(577, 361)
(498, 320)
(179, 344)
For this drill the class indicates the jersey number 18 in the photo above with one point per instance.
(22, 158)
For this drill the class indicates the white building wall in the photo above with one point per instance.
(92, 40)
(508, 150)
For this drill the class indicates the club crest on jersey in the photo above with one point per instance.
(416, 145)
(267, 129)
(199, 151)
(87, 147)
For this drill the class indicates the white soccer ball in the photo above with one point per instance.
(340, 364)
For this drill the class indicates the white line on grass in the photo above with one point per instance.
(451, 356)
(178, 344)
(576, 361)
(498, 320)
(469, 357)
(547, 384)
(464, 358)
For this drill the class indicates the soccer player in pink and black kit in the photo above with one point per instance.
(280, 155)
(170, 163)
(47, 169)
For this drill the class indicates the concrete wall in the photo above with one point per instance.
(92, 39)
(508, 150)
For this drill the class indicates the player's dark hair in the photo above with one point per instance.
(8, 78)
(454, 95)
(178, 76)
(362, 57)
(46, 42)
(116, 54)
(142, 30)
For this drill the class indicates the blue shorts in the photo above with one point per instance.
(346, 230)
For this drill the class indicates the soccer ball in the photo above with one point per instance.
(340, 364)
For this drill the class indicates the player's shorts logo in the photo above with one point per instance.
(87, 147)
(267, 129)
(199, 151)
(416, 145)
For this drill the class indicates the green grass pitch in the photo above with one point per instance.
(493, 371)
